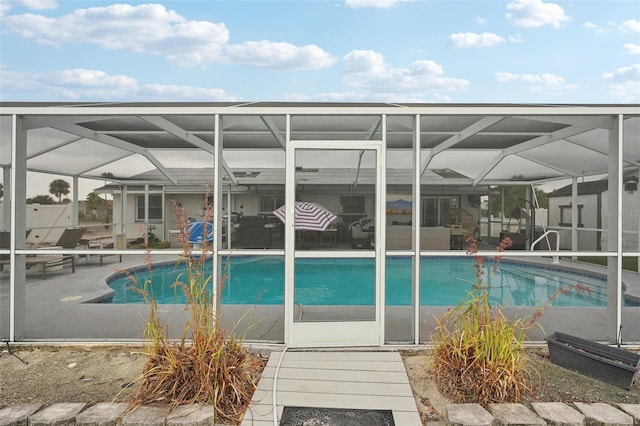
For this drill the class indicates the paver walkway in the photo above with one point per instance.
(349, 380)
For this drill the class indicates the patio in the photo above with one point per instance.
(67, 307)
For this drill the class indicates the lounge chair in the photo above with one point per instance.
(69, 239)
(200, 232)
(44, 262)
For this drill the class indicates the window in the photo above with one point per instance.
(269, 203)
(352, 204)
(155, 207)
(439, 210)
(565, 215)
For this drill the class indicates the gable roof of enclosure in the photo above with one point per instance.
(488, 143)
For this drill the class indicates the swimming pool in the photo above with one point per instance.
(444, 281)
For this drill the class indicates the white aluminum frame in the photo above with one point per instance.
(22, 115)
(334, 333)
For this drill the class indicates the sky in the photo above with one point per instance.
(519, 51)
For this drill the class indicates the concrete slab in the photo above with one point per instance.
(514, 414)
(602, 414)
(102, 414)
(468, 415)
(145, 416)
(18, 415)
(192, 415)
(633, 410)
(61, 414)
(557, 413)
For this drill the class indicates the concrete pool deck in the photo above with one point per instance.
(59, 308)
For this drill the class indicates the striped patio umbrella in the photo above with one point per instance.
(309, 216)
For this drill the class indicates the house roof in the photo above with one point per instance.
(197, 180)
(584, 188)
(487, 143)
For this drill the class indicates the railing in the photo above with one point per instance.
(556, 259)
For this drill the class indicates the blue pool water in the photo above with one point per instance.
(444, 281)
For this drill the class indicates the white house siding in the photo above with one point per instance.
(587, 240)
(193, 203)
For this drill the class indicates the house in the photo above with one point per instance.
(593, 209)
(150, 207)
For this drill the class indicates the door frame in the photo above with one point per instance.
(338, 333)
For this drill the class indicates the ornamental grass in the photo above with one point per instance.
(479, 354)
(207, 365)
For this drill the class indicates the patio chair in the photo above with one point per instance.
(43, 262)
(200, 232)
(362, 233)
(69, 239)
(5, 244)
(253, 234)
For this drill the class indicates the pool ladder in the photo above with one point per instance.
(556, 259)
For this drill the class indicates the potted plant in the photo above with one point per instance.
(608, 364)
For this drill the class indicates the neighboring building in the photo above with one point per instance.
(592, 205)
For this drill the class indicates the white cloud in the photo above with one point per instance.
(546, 79)
(279, 55)
(368, 73)
(380, 4)
(627, 92)
(624, 73)
(171, 92)
(632, 49)
(153, 29)
(475, 40)
(80, 77)
(515, 38)
(480, 20)
(546, 82)
(97, 85)
(37, 4)
(593, 27)
(625, 84)
(535, 13)
(630, 26)
(6, 5)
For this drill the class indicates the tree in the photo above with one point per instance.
(515, 196)
(95, 205)
(59, 187)
(41, 199)
(108, 176)
(94, 202)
